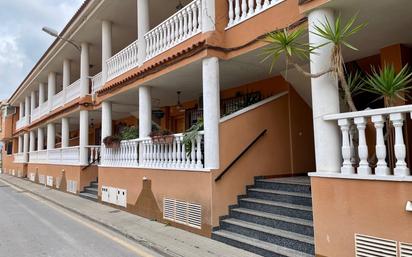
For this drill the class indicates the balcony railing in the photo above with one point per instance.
(183, 25)
(97, 82)
(22, 122)
(166, 153)
(72, 91)
(241, 10)
(123, 61)
(65, 156)
(19, 158)
(387, 124)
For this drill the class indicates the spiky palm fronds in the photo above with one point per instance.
(286, 42)
(190, 135)
(389, 84)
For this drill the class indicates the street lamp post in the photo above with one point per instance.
(54, 33)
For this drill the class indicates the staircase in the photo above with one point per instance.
(273, 219)
(90, 192)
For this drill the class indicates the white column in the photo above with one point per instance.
(84, 136)
(66, 76)
(208, 15)
(42, 93)
(65, 132)
(27, 109)
(145, 111)
(325, 99)
(143, 26)
(20, 144)
(51, 136)
(32, 101)
(40, 139)
(106, 119)
(21, 110)
(26, 147)
(106, 47)
(211, 109)
(32, 141)
(51, 89)
(84, 70)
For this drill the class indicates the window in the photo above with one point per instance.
(9, 148)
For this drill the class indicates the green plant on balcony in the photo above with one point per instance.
(389, 85)
(288, 43)
(129, 133)
(191, 134)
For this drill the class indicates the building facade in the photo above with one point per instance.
(105, 117)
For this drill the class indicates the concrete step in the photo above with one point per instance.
(88, 196)
(280, 208)
(296, 225)
(94, 184)
(257, 246)
(283, 185)
(91, 190)
(275, 236)
(280, 196)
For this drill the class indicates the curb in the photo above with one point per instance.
(150, 245)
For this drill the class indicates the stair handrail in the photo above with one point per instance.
(240, 155)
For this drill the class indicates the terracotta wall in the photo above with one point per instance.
(269, 156)
(8, 165)
(83, 177)
(343, 207)
(145, 198)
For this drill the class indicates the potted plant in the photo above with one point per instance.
(191, 134)
(162, 137)
(112, 141)
(129, 133)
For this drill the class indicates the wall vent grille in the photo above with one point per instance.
(72, 186)
(406, 249)
(367, 246)
(42, 179)
(186, 213)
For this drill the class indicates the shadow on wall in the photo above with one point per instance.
(146, 204)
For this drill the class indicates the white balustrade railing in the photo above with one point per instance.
(241, 10)
(72, 91)
(97, 82)
(44, 108)
(58, 100)
(65, 156)
(182, 25)
(126, 155)
(167, 153)
(385, 122)
(123, 61)
(94, 154)
(19, 158)
(22, 122)
(35, 114)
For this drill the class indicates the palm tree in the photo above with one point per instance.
(285, 42)
(388, 84)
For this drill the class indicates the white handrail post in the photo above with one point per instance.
(401, 168)
(382, 168)
(363, 168)
(347, 167)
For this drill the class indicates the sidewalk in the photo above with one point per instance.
(164, 239)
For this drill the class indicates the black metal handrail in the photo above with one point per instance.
(240, 155)
(91, 163)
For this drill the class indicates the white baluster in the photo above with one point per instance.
(180, 17)
(258, 5)
(183, 164)
(190, 21)
(178, 154)
(401, 168)
(164, 41)
(266, 4)
(382, 168)
(184, 13)
(199, 152)
(194, 11)
(168, 33)
(237, 10)
(176, 25)
(231, 13)
(193, 155)
(363, 168)
(347, 168)
(244, 9)
(353, 155)
(170, 157)
(251, 8)
(174, 153)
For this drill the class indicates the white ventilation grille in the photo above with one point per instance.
(186, 213)
(367, 246)
(42, 179)
(32, 177)
(406, 249)
(72, 186)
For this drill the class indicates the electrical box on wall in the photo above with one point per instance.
(409, 206)
(49, 181)
(114, 195)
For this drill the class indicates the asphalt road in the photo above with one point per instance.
(32, 227)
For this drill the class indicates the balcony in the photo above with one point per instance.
(161, 154)
(22, 122)
(181, 26)
(64, 156)
(19, 158)
(387, 127)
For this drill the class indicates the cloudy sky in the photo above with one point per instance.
(22, 42)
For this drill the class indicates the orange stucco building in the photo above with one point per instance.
(279, 166)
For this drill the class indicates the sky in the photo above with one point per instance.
(22, 41)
